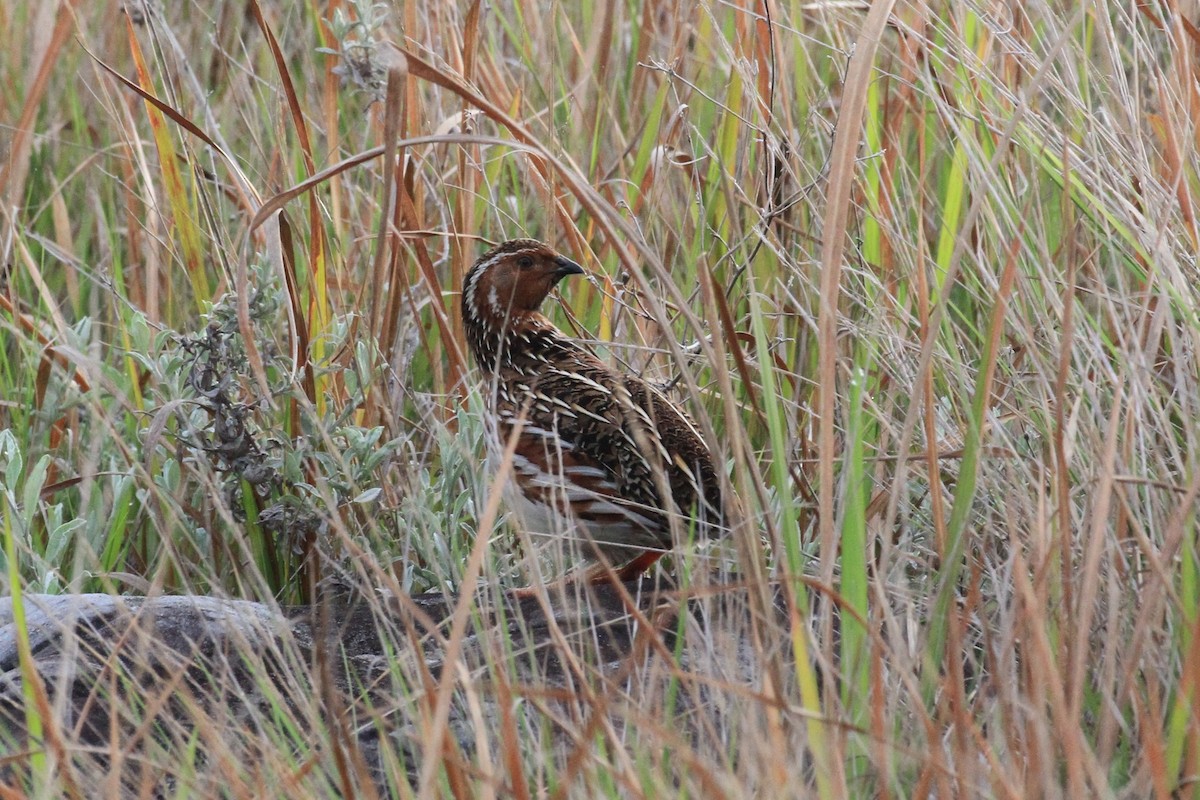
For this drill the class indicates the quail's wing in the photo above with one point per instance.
(581, 434)
(690, 469)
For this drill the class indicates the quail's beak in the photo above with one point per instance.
(566, 267)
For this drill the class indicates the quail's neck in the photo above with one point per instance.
(523, 337)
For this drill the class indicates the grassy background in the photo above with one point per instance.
(927, 279)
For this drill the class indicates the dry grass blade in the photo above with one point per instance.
(923, 274)
(19, 149)
(842, 162)
(182, 121)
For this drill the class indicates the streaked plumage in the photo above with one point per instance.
(595, 446)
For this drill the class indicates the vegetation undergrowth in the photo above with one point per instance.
(925, 274)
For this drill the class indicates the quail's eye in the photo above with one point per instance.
(524, 262)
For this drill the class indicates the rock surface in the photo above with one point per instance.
(125, 681)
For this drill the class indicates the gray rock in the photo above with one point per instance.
(346, 684)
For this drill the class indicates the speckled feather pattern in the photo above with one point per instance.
(591, 440)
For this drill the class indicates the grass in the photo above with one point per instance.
(927, 281)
